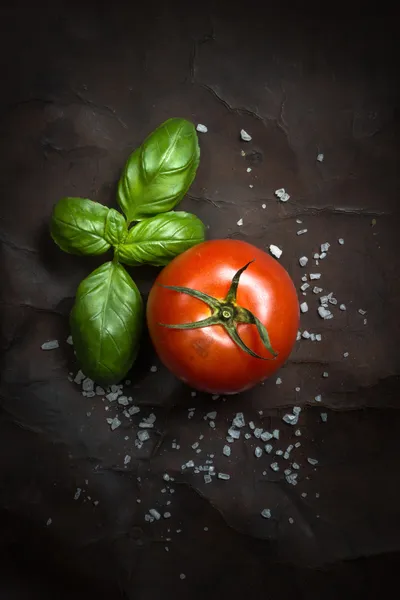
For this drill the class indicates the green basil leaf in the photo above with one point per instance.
(158, 174)
(158, 240)
(106, 323)
(78, 226)
(116, 228)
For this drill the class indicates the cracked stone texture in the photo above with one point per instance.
(83, 85)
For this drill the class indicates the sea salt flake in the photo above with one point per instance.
(240, 222)
(207, 479)
(115, 423)
(257, 432)
(268, 448)
(362, 312)
(341, 241)
(315, 276)
(304, 287)
(258, 452)
(301, 231)
(224, 476)
(345, 354)
(318, 398)
(274, 466)
(278, 381)
(201, 128)
(155, 514)
(275, 251)
(324, 417)
(325, 247)
(266, 513)
(342, 307)
(266, 436)
(276, 434)
(280, 192)
(290, 419)
(123, 400)
(51, 345)
(324, 313)
(312, 461)
(245, 136)
(143, 436)
(77, 493)
(133, 410)
(320, 157)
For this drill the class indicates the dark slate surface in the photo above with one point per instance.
(82, 87)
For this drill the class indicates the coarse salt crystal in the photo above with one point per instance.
(245, 136)
(248, 169)
(302, 231)
(279, 452)
(69, 340)
(284, 197)
(143, 436)
(312, 461)
(123, 400)
(325, 247)
(325, 374)
(341, 241)
(49, 522)
(315, 276)
(290, 419)
(324, 313)
(295, 466)
(257, 432)
(320, 157)
(238, 421)
(323, 255)
(247, 436)
(182, 576)
(207, 479)
(279, 193)
(318, 337)
(263, 206)
(133, 410)
(234, 433)
(257, 452)
(226, 451)
(318, 398)
(291, 520)
(342, 307)
(278, 381)
(112, 396)
(266, 436)
(77, 493)
(224, 476)
(274, 466)
(304, 307)
(240, 222)
(211, 415)
(345, 354)
(268, 448)
(127, 459)
(298, 336)
(324, 417)
(276, 434)
(115, 423)
(303, 260)
(51, 345)
(266, 513)
(304, 287)
(155, 514)
(362, 312)
(297, 433)
(275, 251)
(202, 128)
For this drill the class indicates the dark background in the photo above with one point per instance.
(82, 85)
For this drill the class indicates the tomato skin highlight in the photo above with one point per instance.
(207, 359)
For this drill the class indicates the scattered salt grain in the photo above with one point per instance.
(230, 439)
(251, 185)
(274, 466)
(296, 466)
(291, 520)
(69, 340)
(224, 476)
(115, 423)
(153, 369)
(133, 410)
(127, 459)
(234, 433)
(312, 461)
(318, 337)
(99, 391)
(276, 434)
(278, 381)
(292, 478)
(211, 424)
(155, 514)
(362, 312)
(298, 336)
(304, 287)
(318, 398)
(49, 522)
(301, 231)
(247, 436)
(77, 493)
(304, 307)
(248, 169)
(123, 400)
(290, 419)
(304, 495)
(325, 374)
(266, 436)
(320, 157)
(263, 206)
(207, 479)
(182, 576)
(324, 417)
(143, 436)
(257, 452)
(324, 313)
(268, 448)
(342, 307)
(257, 432)
(195, 445)
(323, 255)
(303, 260)
(112, 396)
(266, 513)
(280, 192)
(315, 276)
(239, 421)
(341, 241)
(275, 251)
(51, 345)
(345, 354)
(325, 247)
(245, 136)
(240, 222)
(189, 464)
(167, 515)
(279, 452)
(201, 128)
(226, 451)
(297, 433)
(166, 477)
(306, 335)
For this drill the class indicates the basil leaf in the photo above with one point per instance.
(106, 323)
(158, 174)
(116, 228)
(78, 226)
(158, 240)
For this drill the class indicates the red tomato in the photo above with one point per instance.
(207, 358)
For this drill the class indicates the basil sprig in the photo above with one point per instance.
(107, 317)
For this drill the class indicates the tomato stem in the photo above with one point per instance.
(226, 313)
